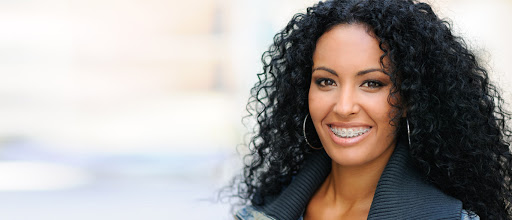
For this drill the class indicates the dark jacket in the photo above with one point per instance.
(402, 193)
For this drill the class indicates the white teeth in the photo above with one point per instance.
(348, 133)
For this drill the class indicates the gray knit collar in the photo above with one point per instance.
(402, 192)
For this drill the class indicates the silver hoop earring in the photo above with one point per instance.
(304, 132)
(408, 132)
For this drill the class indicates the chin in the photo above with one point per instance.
(360, 155)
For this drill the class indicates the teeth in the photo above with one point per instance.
(349, 133)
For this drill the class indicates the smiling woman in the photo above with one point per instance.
(349, 94)
(348, 103)
(406, 123)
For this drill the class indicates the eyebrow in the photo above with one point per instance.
(362, 72)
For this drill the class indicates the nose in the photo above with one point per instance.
(347, 103)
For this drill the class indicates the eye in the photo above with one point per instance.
(323, 82)
(372, 84)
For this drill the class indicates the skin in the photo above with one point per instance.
(349, 89)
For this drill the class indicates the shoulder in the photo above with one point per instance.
(251, 213)
(468, 215)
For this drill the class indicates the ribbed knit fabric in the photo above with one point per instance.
(401, 192)
(291, 202)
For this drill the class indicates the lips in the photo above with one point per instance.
(348, 134)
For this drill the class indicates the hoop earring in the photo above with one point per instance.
(408, 132)
(304, 132)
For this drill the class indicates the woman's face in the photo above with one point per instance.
(348, 97)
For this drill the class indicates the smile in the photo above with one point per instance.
(349, 132)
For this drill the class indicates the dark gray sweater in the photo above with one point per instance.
(402, 192)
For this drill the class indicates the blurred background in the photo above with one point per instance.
(132, 109)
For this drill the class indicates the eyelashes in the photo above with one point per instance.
(372, 84)
(324, 82)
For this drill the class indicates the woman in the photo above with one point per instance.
(373, 109)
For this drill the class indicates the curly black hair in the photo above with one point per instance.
(459, 133)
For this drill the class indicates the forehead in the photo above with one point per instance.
(348, 48)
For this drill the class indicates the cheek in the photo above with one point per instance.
(380, 110)
(320, 104)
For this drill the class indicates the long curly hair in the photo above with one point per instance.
(460, 139)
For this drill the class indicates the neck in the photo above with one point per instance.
(354, 184)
